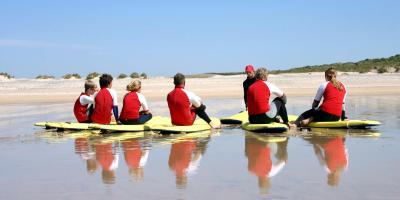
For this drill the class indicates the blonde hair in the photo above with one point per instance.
(330, 75)
(261, 73)
(134, 85)
(90, 85)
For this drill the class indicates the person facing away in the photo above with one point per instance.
(259, 109)
(83, 103)
(185, 105)
(105, 101)
(333, 104)
(251, 78)
(133, 101)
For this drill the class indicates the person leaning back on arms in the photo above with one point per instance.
(82, 106)
(105, 101)
(185, 105)
(133, 101)
(251, 78)
(258, 95)
(333, 105)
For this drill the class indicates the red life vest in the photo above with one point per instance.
(180, 156)
(335, 154)
(258, 98)
(131, 107)
(80, 111)
(259, 160)
(179, 107)
(103, 106)
(104, 155)
(333, 100)
(133, 153)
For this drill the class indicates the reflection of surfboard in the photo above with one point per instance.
(328, 132)
(267, 128)
(266, 138)
(133, 128)
(198, 125)
(175, 138)
(361, 124)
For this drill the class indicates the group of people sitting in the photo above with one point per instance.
(258, 91)
(96, 106)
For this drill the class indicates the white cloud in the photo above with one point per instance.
(41, 44)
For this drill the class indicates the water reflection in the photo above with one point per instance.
(266, 156)
(136, 155)
(185, 156)
(86, 153)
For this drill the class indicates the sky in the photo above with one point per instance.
(161, 38)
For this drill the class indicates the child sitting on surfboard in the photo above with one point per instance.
(185, 105)
(105, 101)
(83, 103)
(133, 101)
(332, 107)
(258, 95)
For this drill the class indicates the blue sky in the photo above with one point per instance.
(165, 37)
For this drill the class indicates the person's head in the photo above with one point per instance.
(330, 75)
(91, 166)
(134, 86)
(262, 74)
(179, 79)
(108, 176)
(249, 69)
(90, 87)
(264, 184)
(105, 81)
(181, 181)
(137, 173)
(334, 178)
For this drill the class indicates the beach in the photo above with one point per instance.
(25, 91)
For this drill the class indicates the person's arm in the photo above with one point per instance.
(273, 89)
(115, 103)
(85, 100)
(143, 103)
(245, 94)
(319, 95)
(343, 116)
(193, 98)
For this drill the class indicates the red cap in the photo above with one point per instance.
(249, 68)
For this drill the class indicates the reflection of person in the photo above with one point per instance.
(185, 105)
(261, 111)
(332, 154)
(332, 107)
(133, 101)
(251, 78)
(108, 161)
(184, 159)
(83, 150)
(260, 163)
(135, 158)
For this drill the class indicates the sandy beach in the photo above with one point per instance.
(22, 91)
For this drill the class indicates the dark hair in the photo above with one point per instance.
(179, 79)
(105, 80)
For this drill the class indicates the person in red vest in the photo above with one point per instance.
(83, 103)
(185, 105)
(260, 162)
(105, 101)
(107, 160)
(260, 110)
(332, 154)
(333, 105)
(133, 101)
(251, 78)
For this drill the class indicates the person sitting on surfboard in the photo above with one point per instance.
(83, 102)
(185, 105)
(105, 101)
(332, 107)
(133, 101)
(251, 78)
(259, 109)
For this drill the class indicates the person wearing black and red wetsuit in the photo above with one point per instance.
(185, 105)
(105, 101)
(251, 78)
(83, 103)
(260, 110)
(332, 107)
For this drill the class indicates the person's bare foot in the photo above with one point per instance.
(214, 125)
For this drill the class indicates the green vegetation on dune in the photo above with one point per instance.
(74, 75)
(6, 75)
(45, 77)
(381, 65)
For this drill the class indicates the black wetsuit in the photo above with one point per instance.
(246, 84)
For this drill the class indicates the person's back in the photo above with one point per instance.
(105, 102)
(333, 99)
(258, 98)
(132, 103)
(179, 107)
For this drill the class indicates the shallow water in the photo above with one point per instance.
(228, 164)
